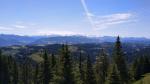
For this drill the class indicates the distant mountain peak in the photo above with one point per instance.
(11, 39)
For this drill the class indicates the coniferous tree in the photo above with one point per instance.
(146, 65)
(114, 76)
(102, 64)
(36, 75)
(47, 75)
(26, 71)
(140, 66)
(81, 68)
(68, 68)
(53, 67)
(135, 70)
(58, 76)
(53, 61)
(5, 77)
(90, 77)
(120, 62)
(15, 73)
(10, 62)
(68, 76)
(1, 68)
(6, 72)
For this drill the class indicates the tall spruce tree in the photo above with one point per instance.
(81, 68)
(90, 76)
(47, 74)
(68, 76)
(15, 73)
(10, 68)
(1, 68)
(140, 66)
(36, 75)
(26, 71)
(53, 61)
(53, 67)
(6, 74)
(135, 70)
(58, 79)
(146, 65)
(102, 64)
(114, 76)
(120, 62)
(4, 69)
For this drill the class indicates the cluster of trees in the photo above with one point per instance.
(64, 69)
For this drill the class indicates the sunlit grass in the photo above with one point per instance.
(145, 80)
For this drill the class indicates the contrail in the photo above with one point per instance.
(88, 13)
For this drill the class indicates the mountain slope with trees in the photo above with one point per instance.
(67, 67)
(9, 40)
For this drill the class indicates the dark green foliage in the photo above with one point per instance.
(140, 67)
(72, 68)
(53, 61)
(102, 65)
(120, 62)
(90, 77)
(67, 70)
(26, 69)
(114, 77)
(5, 76)
(15, 73)
(47, 74)
(81, 68)
(1, 68)
(37, 75)
(146, 64)
(135, 71)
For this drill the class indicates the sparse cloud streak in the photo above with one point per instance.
(106, 21)
(2, 28)
(100, 22)
(49, 32)
(88, 14)
(19, 26)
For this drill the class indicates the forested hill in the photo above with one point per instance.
(9, 40)
(93, 49)
(105, 63)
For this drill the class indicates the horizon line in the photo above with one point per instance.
(84, 35)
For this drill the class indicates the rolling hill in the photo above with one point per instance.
(9, 40)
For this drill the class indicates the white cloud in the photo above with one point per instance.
(33, 29)
(118, 16)
(5, 28)
(23, 25)
(19, 22)
(106, 21)
(101, 22)
(19, 26)
(49, 32)
(88, 14)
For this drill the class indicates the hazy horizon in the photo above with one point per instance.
(75, 17)
(90, 36)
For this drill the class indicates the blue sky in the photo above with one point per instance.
(130, 18)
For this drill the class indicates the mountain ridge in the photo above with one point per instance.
(9, 39)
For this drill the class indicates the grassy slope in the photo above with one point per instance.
(36, 57)
(145, 80)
